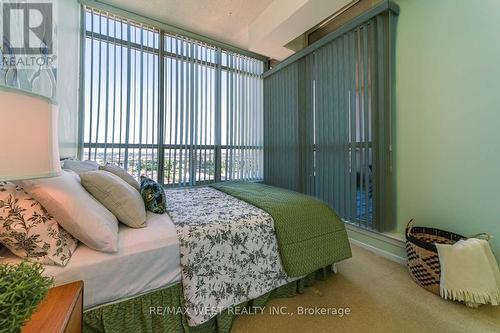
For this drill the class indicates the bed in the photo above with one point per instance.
(218, 247)
(153, 252)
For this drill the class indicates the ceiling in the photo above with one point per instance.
(223, 20)
(262, 26)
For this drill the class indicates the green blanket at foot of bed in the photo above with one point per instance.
(310, 235)
(148, 313)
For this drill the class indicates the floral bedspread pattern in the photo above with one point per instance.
(228, 249)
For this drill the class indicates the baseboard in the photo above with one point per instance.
(393, 239)
(380, 252)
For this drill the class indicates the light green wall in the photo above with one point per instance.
(447, 115)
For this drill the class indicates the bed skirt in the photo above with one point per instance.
(148, 313)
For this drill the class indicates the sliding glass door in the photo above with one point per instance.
(175, 109)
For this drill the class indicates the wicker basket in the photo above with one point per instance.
(423, 259)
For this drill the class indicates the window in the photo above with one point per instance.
(175, 109)
(190, 111)
(241, 118)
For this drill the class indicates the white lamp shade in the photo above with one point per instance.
(28, 136)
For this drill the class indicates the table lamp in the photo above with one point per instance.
(28, 136)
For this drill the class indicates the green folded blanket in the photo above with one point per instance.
(310, 235)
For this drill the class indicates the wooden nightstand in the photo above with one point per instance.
(61, 311)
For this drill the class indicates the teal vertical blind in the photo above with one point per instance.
(176, 109)
(327, 130)
(282, 128)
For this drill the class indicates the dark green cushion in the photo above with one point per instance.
(153, 195)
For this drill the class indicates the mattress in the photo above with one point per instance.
(147, 259)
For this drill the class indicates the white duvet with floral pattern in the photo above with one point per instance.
(228, 249)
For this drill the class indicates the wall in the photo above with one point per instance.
(447, 115)
(68, 32)
(67, 51)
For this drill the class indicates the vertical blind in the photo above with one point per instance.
(241, 118)
(327, 127)
(281, 146)
(173, 108)
(189, 98)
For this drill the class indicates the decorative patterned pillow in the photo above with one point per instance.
(29, 231)
(153, 195)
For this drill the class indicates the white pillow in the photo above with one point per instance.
(76, 210)
(79, 166)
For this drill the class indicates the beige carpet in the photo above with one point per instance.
(381, 297)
